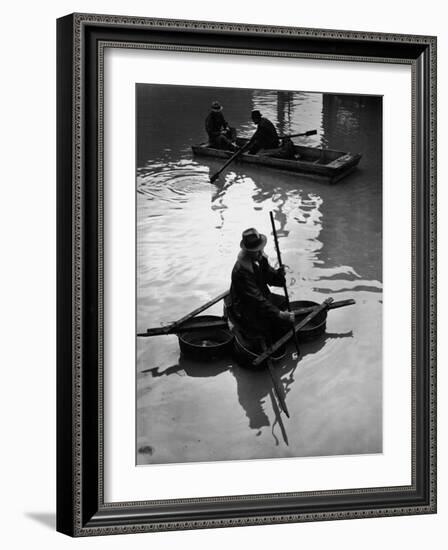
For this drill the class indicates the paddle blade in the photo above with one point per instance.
(311, 133)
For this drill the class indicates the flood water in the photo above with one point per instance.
(188, 234)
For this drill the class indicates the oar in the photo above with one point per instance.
(333, 305)
(174, 326)
(231, 159)
(309, 133)
(193, 326)
(278, 390)
(285, 288)
(290, 334)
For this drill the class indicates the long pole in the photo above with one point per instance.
(230, 160)
(285, 288)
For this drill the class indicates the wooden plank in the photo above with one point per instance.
(169, 329)
(221, 323)
(186, 327)
(290, 334)
(201, 309)
(334, 305)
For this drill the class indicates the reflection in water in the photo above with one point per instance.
(253, 387)
(188, 234)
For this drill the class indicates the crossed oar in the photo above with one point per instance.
(245, 147)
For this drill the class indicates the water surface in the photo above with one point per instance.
(188, 234)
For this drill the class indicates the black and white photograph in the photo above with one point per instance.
(223, 236)
(258, 274)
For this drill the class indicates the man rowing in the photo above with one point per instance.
(219, 133)
(266, 141)
(252, 305)
(265, 137)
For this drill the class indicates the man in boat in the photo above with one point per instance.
(251, 304)
(265, 137)
(220, 135)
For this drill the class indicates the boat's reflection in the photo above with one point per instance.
(254, 387)
(298, 201)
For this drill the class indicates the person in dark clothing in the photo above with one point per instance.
(219, 133)
(254, 307)
(265, 137)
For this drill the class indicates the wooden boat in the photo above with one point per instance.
(325, 164)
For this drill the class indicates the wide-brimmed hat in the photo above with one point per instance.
(216, 106)
(256, 114)
(252, 241)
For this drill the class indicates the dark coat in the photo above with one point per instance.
(265, 137)
(251, 300)
(214, 123)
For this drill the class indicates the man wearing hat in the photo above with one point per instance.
(253, 305)
(266, 136)
(220, 135)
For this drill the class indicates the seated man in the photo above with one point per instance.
(252, 304)
(219, 133)
(265, 137)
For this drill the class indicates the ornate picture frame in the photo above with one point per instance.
(81, 42)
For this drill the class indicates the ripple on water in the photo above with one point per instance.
(330, 237)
